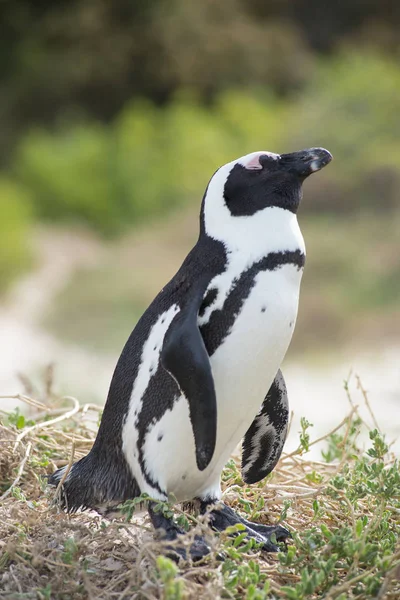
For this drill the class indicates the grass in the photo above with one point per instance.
(343, 512)
(350, 290)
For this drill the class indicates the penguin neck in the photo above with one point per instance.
(270, 230)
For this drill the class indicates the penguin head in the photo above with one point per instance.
(263, 180)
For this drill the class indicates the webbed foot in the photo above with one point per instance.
(223, 517)
(171, 532)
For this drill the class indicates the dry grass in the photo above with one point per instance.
(46, 554)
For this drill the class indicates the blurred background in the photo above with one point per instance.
(113, 116)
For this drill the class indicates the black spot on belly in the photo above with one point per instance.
(264, 308)
(208, 300)
(184, 477)
(160, 437)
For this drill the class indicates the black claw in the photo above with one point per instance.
(270, 547)
(199, 549)
(170, 532)
(176, 554)
(282, 534)
(221, 518)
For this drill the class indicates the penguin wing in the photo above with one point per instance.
(185, 357)
(263, 442)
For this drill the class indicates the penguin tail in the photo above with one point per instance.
(94, 483)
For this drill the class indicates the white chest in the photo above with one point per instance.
(243, 367)
(246, 363)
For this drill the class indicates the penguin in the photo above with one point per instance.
(201, 370)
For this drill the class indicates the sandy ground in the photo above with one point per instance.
(316, 393)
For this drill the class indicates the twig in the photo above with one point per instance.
(290, 423)
(37, 426)
(91, 406)
(392, 575)
(283, 497)
(20, 471)
(66, 472)
(366, 400)
(26, 399)
(27, 383)
(49, 380)
(49, 412)
(11, 571)
(323, 437)
(333, 592)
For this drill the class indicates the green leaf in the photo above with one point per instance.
(20, 424)
(359, 527)
(239, 539)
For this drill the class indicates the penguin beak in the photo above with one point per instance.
(306, 162)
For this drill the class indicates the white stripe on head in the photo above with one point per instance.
(252, 161)
(270, 230)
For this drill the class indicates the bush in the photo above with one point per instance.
(147, 162)
(151, 159)
(71, 176)
(342, 512)
(14, 229)
(352, 107)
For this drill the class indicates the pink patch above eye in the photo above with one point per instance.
(254, 162)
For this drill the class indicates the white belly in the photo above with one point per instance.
(243, 367)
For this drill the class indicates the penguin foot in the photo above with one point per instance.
(171, 532)
(222, 518)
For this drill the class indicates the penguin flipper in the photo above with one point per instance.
(263, 442)
(185, 357)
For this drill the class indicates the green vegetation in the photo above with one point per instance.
(350, 106)
(15, 221)
(152, 160)
(342, 512)
(148, 162)
(72, 58)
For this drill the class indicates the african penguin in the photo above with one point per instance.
(201, 369)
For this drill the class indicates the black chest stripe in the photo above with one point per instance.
(208, 300)
(222, 320)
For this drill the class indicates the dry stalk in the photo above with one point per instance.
(67, 415)
(19, 474)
